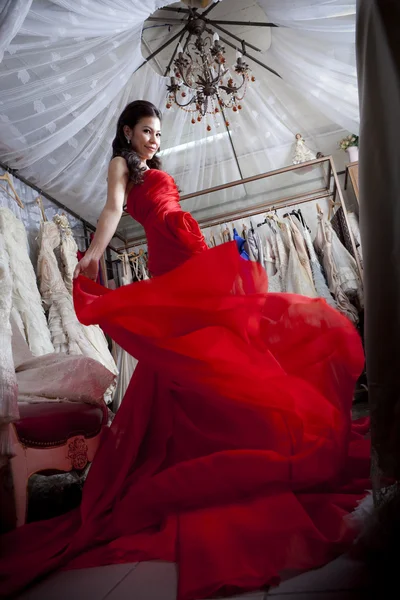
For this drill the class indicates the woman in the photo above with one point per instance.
(232, 453)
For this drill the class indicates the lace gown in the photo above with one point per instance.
(233, 452)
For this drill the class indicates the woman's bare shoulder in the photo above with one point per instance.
(118, 165)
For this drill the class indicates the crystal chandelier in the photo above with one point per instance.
(203, 84)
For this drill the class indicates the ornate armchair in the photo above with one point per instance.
(62, 415)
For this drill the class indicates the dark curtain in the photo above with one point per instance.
(378, 57)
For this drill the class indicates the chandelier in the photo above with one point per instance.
(202, 83)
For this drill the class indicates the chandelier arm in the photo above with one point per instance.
(184, 80)
(251, 57)
(187, 103)
(167, 70)
(233, 36)
(189, 37)
(160, 49)
(242, 23)
(242, 84)
(167, 20)
(177, 10)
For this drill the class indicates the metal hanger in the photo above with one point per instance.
(6, 177)
(39, 202)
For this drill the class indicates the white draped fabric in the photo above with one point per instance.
(12, 15)
(69, 69)
(314, 50)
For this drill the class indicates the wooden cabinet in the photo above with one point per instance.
(352, 176)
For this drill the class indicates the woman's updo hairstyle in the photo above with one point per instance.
(130, 116)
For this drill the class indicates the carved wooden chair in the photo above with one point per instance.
(51, 438)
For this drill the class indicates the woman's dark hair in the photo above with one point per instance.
(131, 115)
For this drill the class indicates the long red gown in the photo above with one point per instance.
(233, 453)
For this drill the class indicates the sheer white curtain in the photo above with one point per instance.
(12, 15)
(314, 51)
(333, 18)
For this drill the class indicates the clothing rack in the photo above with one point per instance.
(333, 192)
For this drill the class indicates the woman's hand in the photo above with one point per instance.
(87, 266)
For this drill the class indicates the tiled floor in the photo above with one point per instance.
(343, 579)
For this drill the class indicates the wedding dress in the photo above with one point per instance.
(67, 332)
(27, 306)
(271, 260)
(317, 275)
(8, 383)
(93, 333)
(337, 274)
(299, 277)
(281, 253)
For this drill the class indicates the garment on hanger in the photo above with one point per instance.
(226, 235)
(241, 244)
(299, 277)
(8, 383)
(300, 246)
(255, 246)
(27, 306)
(9, 189)
(143, 266)
(337, 274)
(67, 332)
(349, 277)
(126, 277)
(355, 229)
(339, 225)
(269, 258)
(320, 284)
(270, 265)
(281, 252)
(68, 250)
(94, 335)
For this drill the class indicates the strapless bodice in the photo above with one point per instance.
(157, 195)
(173, 236)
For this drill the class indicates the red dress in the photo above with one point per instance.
(233, 453)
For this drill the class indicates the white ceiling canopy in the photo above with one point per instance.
(69, 68)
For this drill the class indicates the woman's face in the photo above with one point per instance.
(145, 137)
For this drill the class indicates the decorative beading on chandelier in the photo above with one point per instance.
(203, 84)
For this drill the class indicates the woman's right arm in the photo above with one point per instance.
(118, 177)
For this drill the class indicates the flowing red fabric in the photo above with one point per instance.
(233, 453)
